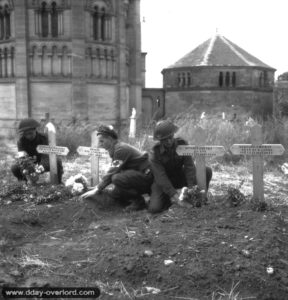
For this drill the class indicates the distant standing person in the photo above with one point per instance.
(171, 171)
(130, 172)
(29, 139)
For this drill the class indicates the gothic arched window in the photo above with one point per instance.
(261, 79)
(183, 79)
(103, 25)
(234, 79)
(220, 79)
(227, 79)
(179, 79)
(44, 20)
(2, 22)
(7, 22)
(95, 23)
(54, 20)
(188, 79)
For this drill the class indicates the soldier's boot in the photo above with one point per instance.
(136, 204)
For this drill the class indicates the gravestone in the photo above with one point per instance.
(257, 150)
(96, 154)
(53, 151)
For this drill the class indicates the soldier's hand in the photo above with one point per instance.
(175, 198)
(91, 193)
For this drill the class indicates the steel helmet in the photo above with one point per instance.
(27, 124)
(107, 131)
(164, 129)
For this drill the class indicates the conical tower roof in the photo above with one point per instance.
(219, 51)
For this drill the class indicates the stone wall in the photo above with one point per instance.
(73, 74)
(217, 101)
(53, 98)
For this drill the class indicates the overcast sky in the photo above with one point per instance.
(171, 29)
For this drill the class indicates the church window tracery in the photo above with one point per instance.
(184, 79)
(5, 23)
(44, 20)
(227, 79)
(220, 79)
(101, 22)
(7, 62)
(49, 20)
(54, 20)
(233, 79)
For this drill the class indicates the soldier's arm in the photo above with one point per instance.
(189, 167)
(190, 171)
(121, 155)
(161, 177)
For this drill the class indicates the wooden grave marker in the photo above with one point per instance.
(200, 152)
(257, 150)
(53, 151)
(96, 154)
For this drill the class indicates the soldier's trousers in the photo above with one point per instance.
(45, 163)
(130, 184)
(159, 200)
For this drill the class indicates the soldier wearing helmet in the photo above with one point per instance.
(29, 139)
(129, 173)
(171, 171)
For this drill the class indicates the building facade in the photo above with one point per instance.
(216, 76)
(69, 58)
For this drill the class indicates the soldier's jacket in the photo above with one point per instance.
(167, 164)
(124, 157)
(30, 146)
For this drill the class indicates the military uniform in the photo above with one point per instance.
(129, 173)
(171, 172)
(29, 147)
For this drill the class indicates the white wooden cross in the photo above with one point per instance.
(95, 153)
(257, 150)
(200, 152)
(53, 151)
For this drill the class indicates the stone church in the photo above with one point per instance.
(69, 58)
(216, 76)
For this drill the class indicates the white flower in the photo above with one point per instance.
(70, 181)
(22, 154)
(77, 188)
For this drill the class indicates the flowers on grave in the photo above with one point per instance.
(78, 184)
(284, 168)
(28, 167)
(234, 197)
(194, 196)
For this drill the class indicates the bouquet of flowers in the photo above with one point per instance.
(77, 183)
(194, 196)
(28, 167)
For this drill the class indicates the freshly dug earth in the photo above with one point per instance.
(213, 250)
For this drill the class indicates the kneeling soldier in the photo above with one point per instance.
(29, 139)
(129, 173)
(171, 171)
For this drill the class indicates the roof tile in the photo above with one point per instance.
(218, 51)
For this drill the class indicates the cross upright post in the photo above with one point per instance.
(257, 150)
(200, 152)
(53, 151)
(96, 154)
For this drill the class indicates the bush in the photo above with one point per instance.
(74, 134)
